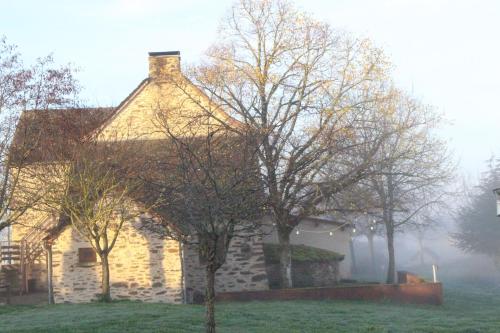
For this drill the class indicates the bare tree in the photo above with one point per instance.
(303, 89)
(97, 203)
(358, 204)
(413, 168)
(37, 87)
(205, 182)
(89, 183)
(366, 226)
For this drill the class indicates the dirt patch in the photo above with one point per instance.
(29, 299)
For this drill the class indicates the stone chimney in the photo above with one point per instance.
(164, 64)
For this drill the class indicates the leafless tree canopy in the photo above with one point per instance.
(38, 87)
(91, 185)
(205, 181)
(303, 88)
(410, 172)
(208, 182)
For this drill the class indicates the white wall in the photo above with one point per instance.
(316, 234)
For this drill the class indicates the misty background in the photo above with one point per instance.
(445, 52)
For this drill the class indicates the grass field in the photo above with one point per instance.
(470, 309)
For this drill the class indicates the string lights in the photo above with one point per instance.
(330, 232)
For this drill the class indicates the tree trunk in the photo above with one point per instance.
(372, 252)
(389, 226)
(106, 292)
(285, 259)
(210, 299)
(421, 250)
(391, 269)
(353, 255)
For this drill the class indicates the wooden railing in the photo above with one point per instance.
(32, 246)
(19, 255)
(10, 253)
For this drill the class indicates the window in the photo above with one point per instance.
(86, 255)
(246, 251)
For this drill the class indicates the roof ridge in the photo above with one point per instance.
(71, 109)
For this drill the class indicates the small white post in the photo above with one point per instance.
(434, 273)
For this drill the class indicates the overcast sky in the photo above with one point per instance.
(447, 52)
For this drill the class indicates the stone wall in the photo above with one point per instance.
(142, 267)
(307, 274)
(32, 179)
(166, 91)
(244, 270)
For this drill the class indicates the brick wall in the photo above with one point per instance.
(425, 293)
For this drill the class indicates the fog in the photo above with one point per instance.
(444, 52)
(454, 266)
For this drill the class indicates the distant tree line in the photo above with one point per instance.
(478, 225)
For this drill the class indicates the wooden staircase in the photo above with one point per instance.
(18, 256)
(10, 253)
(10, 259)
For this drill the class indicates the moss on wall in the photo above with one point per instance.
(301, 253)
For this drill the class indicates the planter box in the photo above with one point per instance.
(423, 293)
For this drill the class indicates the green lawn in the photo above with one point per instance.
(471, 309)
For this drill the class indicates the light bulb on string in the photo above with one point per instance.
(297, 232)
(331, 233)
(353, 230)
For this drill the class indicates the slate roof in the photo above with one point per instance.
(44, 135)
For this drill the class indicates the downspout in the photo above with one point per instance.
(9, 242)
(183, 274)
(48, 247)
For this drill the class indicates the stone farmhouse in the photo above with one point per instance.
(143, 266)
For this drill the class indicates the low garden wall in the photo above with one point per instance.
(306, 274)
(311, 267)
(423, 293)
